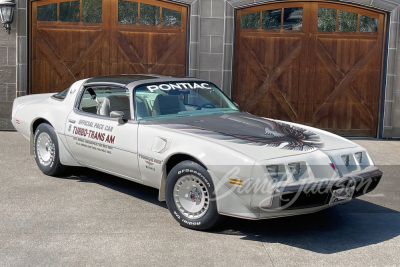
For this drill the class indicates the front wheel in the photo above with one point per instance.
(45, 147)
(190, 196)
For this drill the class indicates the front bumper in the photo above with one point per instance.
(299, 199)
(319, 195)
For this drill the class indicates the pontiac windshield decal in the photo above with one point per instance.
(177, 86)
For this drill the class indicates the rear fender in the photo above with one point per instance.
(65, 156)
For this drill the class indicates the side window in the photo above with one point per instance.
(69, 11)
(92, 11)
(102, 100)
(251, 21)
(47, 12)
(61, 95)
(89, 11)
(171, 17)
(293, 18)
(290, 18)
(331, 20)
(149, 14)
(127, 12)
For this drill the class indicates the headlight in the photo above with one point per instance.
(298, 170)
(273, 170)
(277, 172)
(346, 160)
(359, 157)
(295, 168)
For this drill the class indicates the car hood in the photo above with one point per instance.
(257, 137)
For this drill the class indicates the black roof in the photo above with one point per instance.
(123, 79)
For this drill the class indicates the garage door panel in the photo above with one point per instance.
(49, 71)
(153, 53)
(342, 114)
(347, 71)
(334, 80)
(169, 48)
(133, 49)
(323, 86)
(346, 53)
(268, 51)
(78, 42)
(269, 107)
(108, 44)
(288, 82)
(247, 89)
(284, 52)
(170, 69)
(366, 80)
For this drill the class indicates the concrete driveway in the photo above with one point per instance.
(95, 219)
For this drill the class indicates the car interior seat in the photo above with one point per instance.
(167, 104)
(142, 108)
(115, 103)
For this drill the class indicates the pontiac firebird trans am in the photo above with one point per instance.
(184, 137)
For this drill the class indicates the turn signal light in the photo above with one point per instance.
(333, 166)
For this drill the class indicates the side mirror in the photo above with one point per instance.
(118, 115)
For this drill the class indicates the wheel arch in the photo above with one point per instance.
(170, 162)
(175, 159)
(34, 126)
(66, 157)
(37, 122)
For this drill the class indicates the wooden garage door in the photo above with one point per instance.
(72, 40)
(313, 63)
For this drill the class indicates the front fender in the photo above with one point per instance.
(223, 163)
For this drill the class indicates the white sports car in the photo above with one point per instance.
(184, 137)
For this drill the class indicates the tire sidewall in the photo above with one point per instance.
(55, 166)
(211, 217)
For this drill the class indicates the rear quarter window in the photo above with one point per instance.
(61, 95)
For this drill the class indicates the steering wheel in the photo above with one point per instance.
(211, 105)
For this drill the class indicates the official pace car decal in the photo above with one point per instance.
(252, 130)
(88, 134)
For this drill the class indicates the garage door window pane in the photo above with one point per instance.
(292, 18)
(69, 11)
(171, 17)
(368, 24)
(327, 19)
(92, 11)
(271, 19)
(127, 12)
(250, 21)
(347, 21)
(47, 12)
(149, 14)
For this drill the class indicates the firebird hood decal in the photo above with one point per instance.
(248, 129)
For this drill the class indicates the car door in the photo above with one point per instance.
(99, 141)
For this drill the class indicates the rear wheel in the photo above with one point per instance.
(45, 147)
(190, 196)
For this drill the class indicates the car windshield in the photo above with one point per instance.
(180, 99)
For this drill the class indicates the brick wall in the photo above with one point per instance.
(391, 126)
(8, 75)
(211, 41)
(13, 64)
